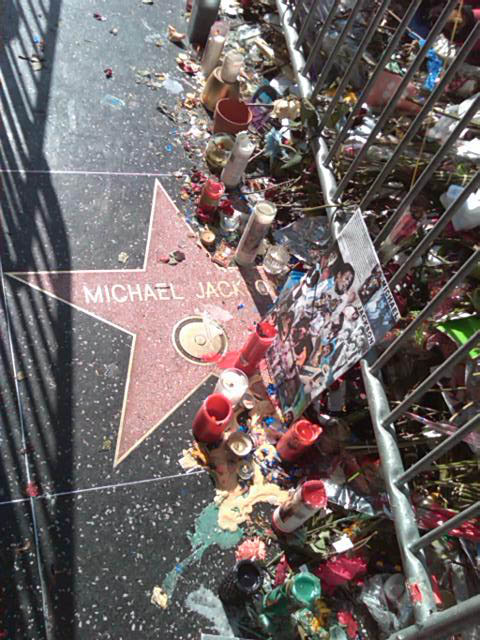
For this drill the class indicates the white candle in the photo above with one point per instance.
(212, 53)
(257, 228)
(233, 384)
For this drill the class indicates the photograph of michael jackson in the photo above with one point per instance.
(324, 326)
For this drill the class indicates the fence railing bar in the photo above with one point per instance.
(427, 172)
(392, 45)
(306, 24)
(358, 54)
(424, 112)
(438, 451)
(462, 273)
(433, 378)
(388, 110)
(326, 177)
(441, 223)
(317, 44)
(296, 12)
(414, 564)
(447, 526)
(443, 624)
(332, 57)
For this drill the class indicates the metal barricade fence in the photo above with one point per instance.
(305, 24)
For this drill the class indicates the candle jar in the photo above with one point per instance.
(301, 590)
(204, 14)
(276, 260)
(218, 151)
(234, 169)
(240, 444)
(255, 348)
(229, 222)
(245, 471)
(295, 442)
(212, 418)
(241, 583)
(216, 89)
(233, 384)
(307, 500)
(231, 67)
(212, 191)
(257, 228)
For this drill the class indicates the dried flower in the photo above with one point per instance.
(251, 549)
(347, 620)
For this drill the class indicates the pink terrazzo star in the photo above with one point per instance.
(147, 303)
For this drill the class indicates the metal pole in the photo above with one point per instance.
(414, 564)
(331, 58)
(439, 450)
(447, 526)
(443, 624)
(415, 126)
(434, 377)
(436, 230)
(392, 45)
(296, 12)
(358, 54)
(469, 265)
(386, 113)
(319, 39)
(427, 172)
(326, 177)
(306, 24)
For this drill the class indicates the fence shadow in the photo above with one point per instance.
(33, 238)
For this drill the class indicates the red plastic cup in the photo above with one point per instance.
(255, 348)
(231, 116)
(212, 418)
(295, 442)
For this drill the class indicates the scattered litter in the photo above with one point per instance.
(108, 72)
(174, 35)
(32, 490)
(99, 17)
(112, 101)
(159, 598)
(173, 86)
(107, 444)
(123, 257)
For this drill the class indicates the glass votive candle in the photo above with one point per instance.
(276, 260)
(233, 384)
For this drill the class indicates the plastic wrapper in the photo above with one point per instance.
(374, 598)
(306, 238)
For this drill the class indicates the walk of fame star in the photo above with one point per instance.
(148, 303)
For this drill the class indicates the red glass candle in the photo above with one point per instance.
(212, 191)
(212, 418)
(301, 435)
(255, 348)
(300, 507)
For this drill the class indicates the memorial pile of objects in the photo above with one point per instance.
(338, 574)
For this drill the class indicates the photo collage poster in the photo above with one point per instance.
(330, 319)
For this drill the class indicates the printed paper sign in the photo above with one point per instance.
(338, 311)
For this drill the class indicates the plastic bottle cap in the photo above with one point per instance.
(306, 588)
(307, 432)
(314, 494)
